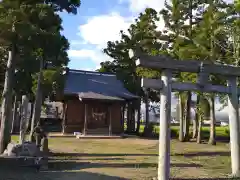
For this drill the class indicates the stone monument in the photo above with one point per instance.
(30, 154)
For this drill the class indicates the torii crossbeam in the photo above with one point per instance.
(166, 85)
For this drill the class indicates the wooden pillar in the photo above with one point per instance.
(85, 119)
(65, 107)
(123, 117)
(110, 121)
(128, 117)
(165, 119)
(234, 126)
(146, 101)
(133, 119)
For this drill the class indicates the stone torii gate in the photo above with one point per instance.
(168, 65)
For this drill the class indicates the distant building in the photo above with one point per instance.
(154, 116)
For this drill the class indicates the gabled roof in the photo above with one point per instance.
(95, 85)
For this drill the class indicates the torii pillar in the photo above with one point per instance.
(165, 121)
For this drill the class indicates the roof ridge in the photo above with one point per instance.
(91, 72)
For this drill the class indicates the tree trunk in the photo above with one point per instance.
(189, 95)
(205, 108)
(31, 115)
(130, 118)
(15, 113)
(181, 118)
(6, 116)
(212, 139)
(195, 126)
(195, 121)
(199, 134)
(188, 116)
(138, 117)
(146, 111)
(146, 128)
(38, 102)
(24, 119)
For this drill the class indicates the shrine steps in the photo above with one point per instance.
(99, 137)
(98, 131)
(87, 136)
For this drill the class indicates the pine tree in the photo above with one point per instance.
(179, 21)
(20, 21)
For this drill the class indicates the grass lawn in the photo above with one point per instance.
(132, 158)
(222, 133)
(220, 130)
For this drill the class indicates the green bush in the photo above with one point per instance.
(149, 130)
(174, 133)
(227, 131)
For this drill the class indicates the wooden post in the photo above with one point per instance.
(123, 117)
(128, 117)
(110, 121)
(65, 107)
(164, 135)
(85, 119)
(146, 101)
(234, 126)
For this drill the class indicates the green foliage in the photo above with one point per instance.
(200, 30)
(33, 25)
(68, 5)
(193, 30)
(30, 31)
(141, 37)
(237, 5)
(44, 27)
(52, 82)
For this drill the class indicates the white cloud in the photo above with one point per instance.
(74, 42)
(95, 55)
(98, 31)
(101, 29)
(137, 6)
(92, 69)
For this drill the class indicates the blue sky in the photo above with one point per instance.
(96, 23)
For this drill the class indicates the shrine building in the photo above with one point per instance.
(93, 103)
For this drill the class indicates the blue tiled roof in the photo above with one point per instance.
(95, 85)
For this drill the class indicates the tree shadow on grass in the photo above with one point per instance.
(203, 179)
(76, 158)
(193, 154)
(56, 175)
(185, 165)
(71, 165)
(62, 154)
